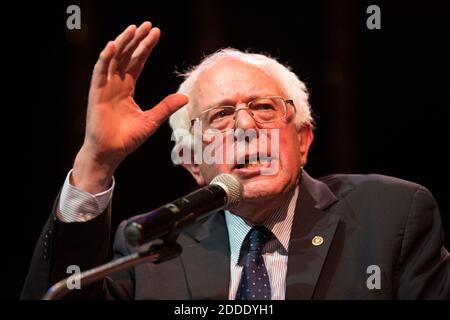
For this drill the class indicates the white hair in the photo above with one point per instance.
(291, 85)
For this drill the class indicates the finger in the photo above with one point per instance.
(142, 53)
(125, 56)
(121, 42)
(159, 113)
(100, 73)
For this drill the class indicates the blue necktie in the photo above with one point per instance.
(254, 284)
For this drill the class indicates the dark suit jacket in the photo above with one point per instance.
(364, 220)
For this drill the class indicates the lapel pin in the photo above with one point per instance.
(317, 240)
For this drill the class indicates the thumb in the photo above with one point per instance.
(159, 113)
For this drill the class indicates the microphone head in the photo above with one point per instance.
(232, 186)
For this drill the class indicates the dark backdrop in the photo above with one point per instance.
(380, 97)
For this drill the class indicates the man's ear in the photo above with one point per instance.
(187, 160)
(195, 172)
(305, 138)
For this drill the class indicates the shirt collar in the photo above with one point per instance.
(280, 223)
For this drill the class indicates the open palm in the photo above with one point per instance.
(116, 125)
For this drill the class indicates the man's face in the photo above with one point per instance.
(234, 83)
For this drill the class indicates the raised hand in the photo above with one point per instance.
(115, 124)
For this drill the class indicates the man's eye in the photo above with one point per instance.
(264, 106)
(219, 115)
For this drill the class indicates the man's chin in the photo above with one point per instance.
(261, 187)
(267, 186)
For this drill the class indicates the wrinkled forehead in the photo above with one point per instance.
(232, 81)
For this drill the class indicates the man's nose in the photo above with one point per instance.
(243, 119)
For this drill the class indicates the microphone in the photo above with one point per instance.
(224, 191)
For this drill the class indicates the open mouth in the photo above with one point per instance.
(253, 162)
(256, 164)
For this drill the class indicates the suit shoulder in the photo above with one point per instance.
(341, 184)
(381, 200)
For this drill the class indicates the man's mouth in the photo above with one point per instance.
(253, 164)
(250, 166)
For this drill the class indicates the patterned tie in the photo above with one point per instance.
(254, 284)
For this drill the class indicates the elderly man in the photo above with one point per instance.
(290, 237)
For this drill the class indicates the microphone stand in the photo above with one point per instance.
(156, 253)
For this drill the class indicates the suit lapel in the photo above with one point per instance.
(310, 222)
(207, 259)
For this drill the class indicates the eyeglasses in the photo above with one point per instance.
(263, 110)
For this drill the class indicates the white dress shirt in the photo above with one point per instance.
(275, 252)
(76, 205)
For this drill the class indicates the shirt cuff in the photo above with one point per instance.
(77, 205)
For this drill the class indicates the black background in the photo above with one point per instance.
(380, 97)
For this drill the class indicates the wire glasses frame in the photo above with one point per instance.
(263, 110)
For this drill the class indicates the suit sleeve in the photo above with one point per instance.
(424, 264)
(85, 244)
